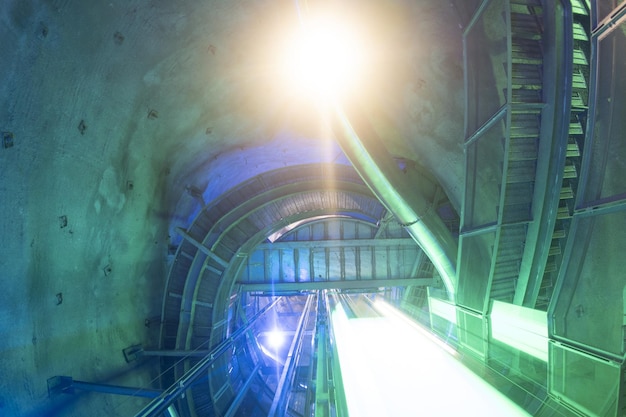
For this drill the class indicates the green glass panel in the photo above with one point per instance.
(486, 62)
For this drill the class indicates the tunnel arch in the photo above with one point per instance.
(198, 300)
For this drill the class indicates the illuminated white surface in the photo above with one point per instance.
(389, 368)
(443, 309)
(523, 328)
(324, 58)
(275, 339)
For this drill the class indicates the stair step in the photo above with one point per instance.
(550, 267)
(525, 7)
(526, 83)
(518, 193)
(572, 149)
(531, 33)
(516, 213)
(559, 234)
(534, 109)
(528, 47)
(578, 101)
(555, 249)
(508, 246)
(504, 281)
(524, 131)
(506, 270)
(523, 148)
(570, 171)
(546, 288)
(575, 128)
(521, 171)
(503, 287)
(503, 290)
(578, 81)
(530, 3)
(579, 8)
(522, 56)
(579, 32)
(526, 70)
(513, 234)
(511, 243)
(512, 253)
(506, 297)
(525, 23)
(566, 193)
(580, 58)
(521, 95)
(529, 119)
(563, 213)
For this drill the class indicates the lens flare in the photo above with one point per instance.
(324, 59)
(275, 339)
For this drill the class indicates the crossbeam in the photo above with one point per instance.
(248, 286)
(338, 243)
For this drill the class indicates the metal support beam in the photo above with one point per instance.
(175, 353)
(279, 287)
(159, 404)
(67, 385)
(201, 247)
(279, 404)
(234, 406)
(402, 193)
(383, 223)
(346, 243)
(323, 383)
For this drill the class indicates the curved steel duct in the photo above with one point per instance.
(396, 190)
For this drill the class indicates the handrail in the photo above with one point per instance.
(171, 394)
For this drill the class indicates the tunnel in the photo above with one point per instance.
(313, 208)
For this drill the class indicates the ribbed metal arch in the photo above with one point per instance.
(237, 220)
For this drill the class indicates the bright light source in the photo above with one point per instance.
(390, 367)
(324, 58)
(275, 339)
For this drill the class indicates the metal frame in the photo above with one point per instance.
(163, 401)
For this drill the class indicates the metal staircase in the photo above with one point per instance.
(577, 127)
(521, 149)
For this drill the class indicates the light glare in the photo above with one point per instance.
(391, 368)
(324, 59)
(275, 339)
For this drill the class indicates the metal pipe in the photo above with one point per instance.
(363, 147)
(112, 389)
(234, 406)
(171, 410)
(175, 353)
(170, 395)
